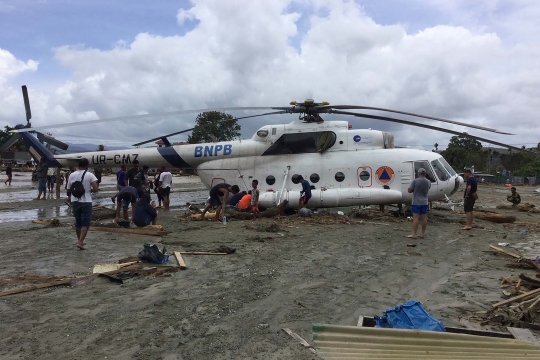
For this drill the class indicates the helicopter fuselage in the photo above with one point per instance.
(345, 167)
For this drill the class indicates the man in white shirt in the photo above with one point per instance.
(165, 181)
(82, 207)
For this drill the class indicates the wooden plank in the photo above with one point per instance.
(199, 253)
(129, 231)
(298, 338)
(516, 298)
(524, 334)
(509, 253)
(360, 321)
(180, 260)
(41, 222)
(35, 287)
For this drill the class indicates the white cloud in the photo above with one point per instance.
(241, 54)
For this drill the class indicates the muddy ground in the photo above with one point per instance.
(234, 306)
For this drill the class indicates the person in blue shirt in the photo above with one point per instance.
(120, 177)
(145, 214)
(305, 194)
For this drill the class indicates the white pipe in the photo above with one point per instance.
(284, 182)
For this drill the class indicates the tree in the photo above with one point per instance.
(214, 126)
(436, 147)
(101, 147)
(465, 151)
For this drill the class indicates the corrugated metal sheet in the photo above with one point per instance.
(356, 342)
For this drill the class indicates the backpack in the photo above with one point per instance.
(77, 188)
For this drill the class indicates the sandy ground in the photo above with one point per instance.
(234, 306)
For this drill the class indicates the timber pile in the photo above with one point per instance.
(494, 217)
(232, 214)
(521, 307)
(525, 207)
(48, 223)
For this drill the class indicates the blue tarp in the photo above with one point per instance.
(410, 315)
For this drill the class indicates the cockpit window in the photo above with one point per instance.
(429, 173)
(302, 143)
(440, 170)
(447, 167)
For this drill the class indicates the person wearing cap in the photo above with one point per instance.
(419, 188)
(469, 198)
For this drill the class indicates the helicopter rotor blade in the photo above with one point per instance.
(139, 117)
(352, 107)
(187, 130)
(384, 118)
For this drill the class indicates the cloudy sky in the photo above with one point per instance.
(471, 61)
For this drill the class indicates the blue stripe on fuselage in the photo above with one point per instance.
(172, 157)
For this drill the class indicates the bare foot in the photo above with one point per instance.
(466, 228)
(411, 236)
(81, 247)
(112, 199)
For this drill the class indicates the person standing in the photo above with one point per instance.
(420, 204)
(98, 172)
(220, 190)
(255, 197)
(9, 173)
(148, 185)
(82, 206)
(514, 197)
(469, 198)
(51, 179)
(156, 187)
(68, 190)
(135, 178)
(42, 179)
(165, 181)
(120, 178)
(305, 194)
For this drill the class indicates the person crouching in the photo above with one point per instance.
(145, 214)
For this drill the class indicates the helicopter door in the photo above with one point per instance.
(364, 176)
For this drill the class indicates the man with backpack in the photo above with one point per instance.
(81, 184)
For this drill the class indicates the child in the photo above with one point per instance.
(255, 197)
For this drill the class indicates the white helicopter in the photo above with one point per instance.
(345, 167)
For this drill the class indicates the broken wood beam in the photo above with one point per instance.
(509, 253)
(530, 280)
(516, 298)
(298, 338)
(180, 260)
(200, 253)
(35, 287)
(494, 217)
(140, 231)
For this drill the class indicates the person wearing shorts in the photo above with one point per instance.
(469, 198)
(128, 195)
(420, 203)
(42, 179)
(220, 190)
(9, 173)
(68, 190)
(165, 180)
(305, 194)
(82, 207)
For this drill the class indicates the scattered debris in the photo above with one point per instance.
(298, 338)
(103, 268)
(494, 217)
(49, 223)
(181, 263)
(138, 231)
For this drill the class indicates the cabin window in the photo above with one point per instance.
(364, 175)
(439, 170)
(340, 176)
(295, 179)
(314, 178)
(273, 131)
(429, 173)
(302, 143)
(270, 180)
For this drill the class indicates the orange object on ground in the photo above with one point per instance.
(244, 202)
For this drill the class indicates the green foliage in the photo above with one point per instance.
(101, 147)
(222, 126)
(464, 152)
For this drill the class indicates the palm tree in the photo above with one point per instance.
(436, 147)
(101, 147)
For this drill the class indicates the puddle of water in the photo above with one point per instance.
(189, 192)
